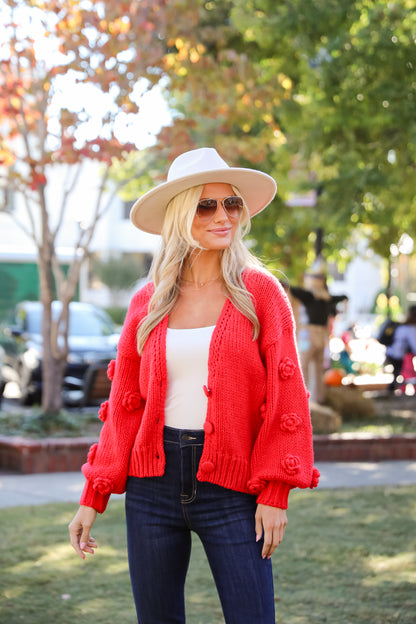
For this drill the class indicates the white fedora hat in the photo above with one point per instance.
(200, 166)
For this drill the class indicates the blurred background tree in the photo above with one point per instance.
(45, 47)
(321, 94)
(118, 273)
(351, 118)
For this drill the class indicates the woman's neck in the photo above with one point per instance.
(202, 267)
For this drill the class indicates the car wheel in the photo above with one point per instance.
(29, 394)
(28, 398)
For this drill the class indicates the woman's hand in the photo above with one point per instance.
(79, 531)
(270, 523)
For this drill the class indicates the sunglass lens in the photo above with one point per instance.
(206, 208)
(233, 205)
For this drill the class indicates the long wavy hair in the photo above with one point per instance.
(177, 247)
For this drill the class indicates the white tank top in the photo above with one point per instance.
(187, 353)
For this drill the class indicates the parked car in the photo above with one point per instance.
(93, 338)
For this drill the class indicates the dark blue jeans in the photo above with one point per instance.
(162, 511)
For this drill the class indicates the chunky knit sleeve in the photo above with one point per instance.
(282, 456)
(107, 465)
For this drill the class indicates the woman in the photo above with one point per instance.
(403, 343)
(207, 426)
(319, 306)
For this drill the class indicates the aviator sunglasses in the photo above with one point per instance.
(232, 205)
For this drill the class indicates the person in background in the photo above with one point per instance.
(404, 342)
(207, 427)
(319, 306)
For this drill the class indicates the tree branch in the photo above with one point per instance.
(85, 237)
(67, 192)
(23, 228)
(31, 217)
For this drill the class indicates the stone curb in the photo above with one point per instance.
(28, 456)
(360, 447)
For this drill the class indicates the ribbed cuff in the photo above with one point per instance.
(275, 494)
(92, 498)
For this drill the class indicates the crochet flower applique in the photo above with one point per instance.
(290, 422)
(111, 369)
(291, 464)
(256, 485)
(132, 401)
(287, 368)
(315, 478)
(103, 411)
(92, 453)
(102, 485)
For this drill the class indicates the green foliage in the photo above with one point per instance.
(118, 272)
(380, 417)
(379, 425)
(117, 314)
(138, 171)
(351, 118)
(318, 93)
(37, 424)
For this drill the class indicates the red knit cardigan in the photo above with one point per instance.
(258, 434)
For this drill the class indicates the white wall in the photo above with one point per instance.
(114, 234)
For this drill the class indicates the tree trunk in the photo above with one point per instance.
(53, 370)
(55, 346)
(53, 356)
(55, 331)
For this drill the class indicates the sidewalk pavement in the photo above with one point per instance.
(37, 489)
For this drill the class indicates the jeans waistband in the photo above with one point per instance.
(183, 437)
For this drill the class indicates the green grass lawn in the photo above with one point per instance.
(348, 557)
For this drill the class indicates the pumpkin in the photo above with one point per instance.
(334, 376)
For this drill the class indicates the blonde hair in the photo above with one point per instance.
(177, 245)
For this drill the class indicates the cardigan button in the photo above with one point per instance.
(207, 466)
(208, 427)
(208, 391)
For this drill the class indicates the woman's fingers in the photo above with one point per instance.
(79, 531)
(259, 526)
(271, 542)
(75, 533)
(271, 523)
(88, 545)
